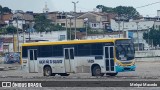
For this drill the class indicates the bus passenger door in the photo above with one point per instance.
(69, 59)
(33, 64)
(109, 58)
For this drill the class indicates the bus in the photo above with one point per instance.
(98, 57)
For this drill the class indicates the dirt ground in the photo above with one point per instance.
(145, 71)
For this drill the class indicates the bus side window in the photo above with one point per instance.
(31, 54)
(35, 55)
(106, 52)
(111, 52)
(66, 54)
(24, 51)
(71, 54)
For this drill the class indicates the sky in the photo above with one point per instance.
(83, 5)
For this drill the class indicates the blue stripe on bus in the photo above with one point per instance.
(124, 69)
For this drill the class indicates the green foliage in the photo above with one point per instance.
(42, 24)
(3, 30)
(152, 35)
(4, 10)
(105, 9)
(128, 12)
(11, 29)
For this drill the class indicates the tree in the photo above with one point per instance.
(128, 12)
(11, 29)
(153, 35)
(105, 9)
(42, 24)
(4, 10)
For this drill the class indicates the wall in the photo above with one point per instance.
(148, 53)
(131, 25)
(50, 36)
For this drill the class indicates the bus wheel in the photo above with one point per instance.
(64, 74)
(112, 74)
(47, 71)
(96, 71)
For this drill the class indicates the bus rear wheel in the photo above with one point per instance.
(47, 71)
(96, 71)
(112, 74)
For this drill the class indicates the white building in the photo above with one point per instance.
(34, 37)
(133, 29)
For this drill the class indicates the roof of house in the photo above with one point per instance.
(7, 40)
(7, 17)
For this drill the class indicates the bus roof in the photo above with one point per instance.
(71, 42)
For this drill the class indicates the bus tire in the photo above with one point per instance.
(112, 74)
(96, 71)
(64, 74)
(47, 71)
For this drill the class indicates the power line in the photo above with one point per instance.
(148, 5)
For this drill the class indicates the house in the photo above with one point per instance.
(67, 20)
(21, 18)
(9, 43)
(96, 20)
(4, 19)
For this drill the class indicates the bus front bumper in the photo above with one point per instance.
(125, 68)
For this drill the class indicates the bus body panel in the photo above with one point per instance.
(70, 62)
(56, 63)
(125, 69)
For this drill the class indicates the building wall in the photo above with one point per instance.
(50, 36)
(157, 25)
(79, 23)
(131, 25)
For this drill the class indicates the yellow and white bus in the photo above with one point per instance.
(98, 57)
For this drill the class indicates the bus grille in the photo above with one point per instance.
(126, 62)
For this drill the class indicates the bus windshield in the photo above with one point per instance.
(124, 50)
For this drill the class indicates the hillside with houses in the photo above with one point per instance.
(28, 27)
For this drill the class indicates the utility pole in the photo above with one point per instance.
(30, 30)
(17, 33)
(11, 24)
(75, 18)
(70, 28)
(137, 34)
(66, 24)
(148, 36)
(123, 29)
(86, 24)
(118, 22)
(119, 28)
(23, 28)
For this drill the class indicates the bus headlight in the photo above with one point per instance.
(133, 63)
(117, 64)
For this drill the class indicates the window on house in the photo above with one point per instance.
(94, 25)
(62, 24)
(70, 23)
(62, 37)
